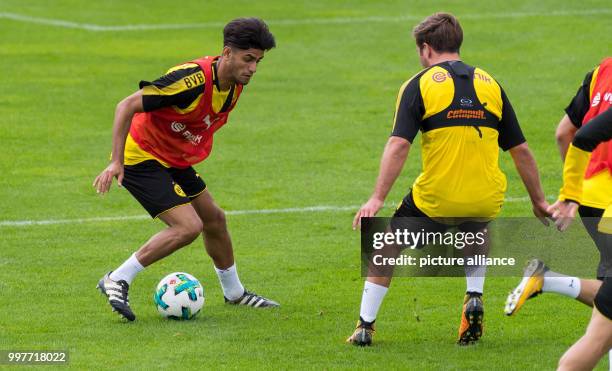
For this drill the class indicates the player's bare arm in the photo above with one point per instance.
(564, 135)
(585, 141)
(121, 127)
(391, 164)
(528, 170)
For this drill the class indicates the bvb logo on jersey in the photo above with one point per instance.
(179, 191)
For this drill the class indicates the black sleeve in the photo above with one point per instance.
(409, 112)
(510, 133)
(579, 105)
(177, 88)
(597, 130)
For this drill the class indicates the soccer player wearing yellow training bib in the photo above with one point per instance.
(592, 194)
(464, 117)
(159, 132)
(597, 340)
(593, 97)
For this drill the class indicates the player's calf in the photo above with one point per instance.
(215, 223)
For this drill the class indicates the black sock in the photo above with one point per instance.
(472, 294)
(366, 322)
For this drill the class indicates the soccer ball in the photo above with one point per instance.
(179, 296)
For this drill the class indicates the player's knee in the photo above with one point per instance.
(566, 362)
(190, 230)
(576, 358)
(216, 222)
(572, 361)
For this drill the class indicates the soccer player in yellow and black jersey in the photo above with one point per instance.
(464, 118)
(159, 132)
(593, 97)
(597, 340)
(587, 190)
(182, 88)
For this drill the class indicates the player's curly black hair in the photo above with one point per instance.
(247, 33)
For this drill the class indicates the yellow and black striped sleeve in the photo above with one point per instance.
(510, 133)
(181, 86)
(580, 104)
(598, 130)
(409, 110)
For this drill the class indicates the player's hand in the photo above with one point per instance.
(563, 212)
(103, 182)
(540, 210)
(369, 209)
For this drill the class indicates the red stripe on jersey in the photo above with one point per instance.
(601, 100)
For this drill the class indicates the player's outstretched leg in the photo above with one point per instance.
(183, 227)
(472, 317)
(218, 244)
(117, 294)
(537, 278)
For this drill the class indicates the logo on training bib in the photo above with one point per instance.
(207, 121)
(177, 127)
(466, 102)
(466, 114)
(179, 191)
(482, 77)
(439, 76)
(596, 100)
(607, 97)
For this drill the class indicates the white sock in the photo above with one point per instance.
(474, 278)
(128, 270)
(561, 284)
(232, 288)
(371, 300)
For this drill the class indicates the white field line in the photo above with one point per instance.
(289, 22)
(23, 223)
(292, 210)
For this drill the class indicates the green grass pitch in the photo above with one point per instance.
(308, 131)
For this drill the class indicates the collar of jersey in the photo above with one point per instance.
(215, 79)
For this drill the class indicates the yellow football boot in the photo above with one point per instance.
(530, 286)
(472, 316)
(363, 334)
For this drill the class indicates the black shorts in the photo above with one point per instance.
(591, 217)
(412, 218)
(159, 188)
(603, 299)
